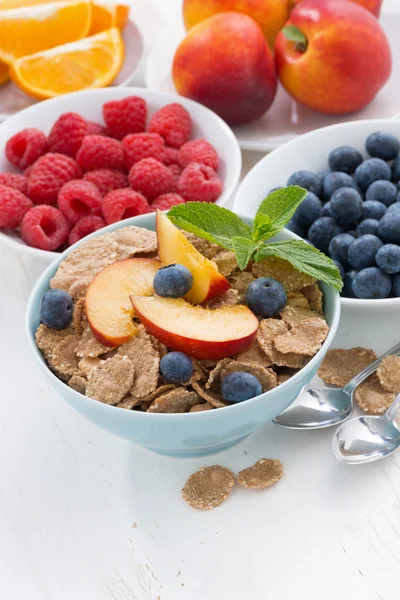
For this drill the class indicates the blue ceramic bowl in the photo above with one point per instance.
(188, 434)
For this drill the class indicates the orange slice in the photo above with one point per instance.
(106, 15)
(29, 29)
(4, 74)
(90, 63)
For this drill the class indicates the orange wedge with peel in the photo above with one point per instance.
(106, 15)
(30, 29)
(4, 73)
(86, 64)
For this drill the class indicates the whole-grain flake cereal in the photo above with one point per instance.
(47, 339)
(340, 366)
(208, 487)
(314, 296)
(268, 331)
(64, 359)
(78, 383)
(201, 407)
(112, 380)
(371, 397)
(89, 346)
(206, 248)
(389, 373)
(79, 319)
(146, 360)
(178, 400)
(87, 363)
(213, 398)
(254, 355)
(240, 281)
(225, 261)
(228, 298)
(262, 474)
(281, 270)
(134, 240)
(265, 376)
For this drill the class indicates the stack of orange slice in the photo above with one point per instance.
(44, 48)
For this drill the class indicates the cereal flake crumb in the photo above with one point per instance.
(262, 474)
(112, 380)
(371, 397)
(208, 487)
(389, 373)
(178, 400)
(340, 366)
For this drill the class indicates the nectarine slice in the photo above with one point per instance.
(108, 308)
(173, 247)
(197, 331)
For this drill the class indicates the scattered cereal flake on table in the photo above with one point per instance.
(208, 487)
(255, 355)
(77, 271)
(134, 240)
(207, 249)
(111, 380)
(213, 398)
(87, 363)
(78, 383)
(146, 359)
(267, 377)
(281, 270)
(371, 397)
(340, 366)
(90, 347)
(240, 281)
(178, 400)
(262, 474)
(47, 339)
(314, 296)
(64, 359)
(228, 298)
(268, 330)
(79, 319)
(201, 407)
(225, 261)
(297, 299)
(389, 373)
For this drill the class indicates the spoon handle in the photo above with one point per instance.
(392, 410)
(351, 386)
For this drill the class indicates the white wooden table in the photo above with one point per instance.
(85, 516)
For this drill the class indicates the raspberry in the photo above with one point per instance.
(96, 128)
(199, 151)
(44, 227)
(100, 152)
(171, 156)
(28, 170)
(199, 183)
(67, 134)
(165, 201)
(13, 180)
(176, 172)
(125, 116)
(150, 177)
(122, 204)
(78, 199)
(48, 176)
(142, 145)
(23, 148)
(107, 180)
(13, 206)
(173, 123)
(84, 226)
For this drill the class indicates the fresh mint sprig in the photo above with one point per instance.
(223, 227)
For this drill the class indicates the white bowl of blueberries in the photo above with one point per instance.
(352, 209)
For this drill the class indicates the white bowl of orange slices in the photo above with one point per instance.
(53, 47)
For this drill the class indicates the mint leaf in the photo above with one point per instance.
(304, 258)
(210, 222)
(244, 250)
(278, 207)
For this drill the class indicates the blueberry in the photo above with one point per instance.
(362, 251)
(352, 232)
(388, 259)
(56, 309)
(339, 247)
(372, 283)
(347, 290)
(341, 269)
(266, 297)
(294, 226)
(396, 286)
(382, 191)
(345, 159)
(396, 169)
(173, 281)
(322, 174)
(322, 231)
(346, 205)
(326, 210)
(371, 170)
(309, 210)
(176, 367)
(373, 210)
(393, 208)
(335, 181)
(240, 386)
(307, 180)
(382, 145)
(367, 226)
(308, 242)
(389, 228)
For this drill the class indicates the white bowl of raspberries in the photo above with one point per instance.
(74, 164)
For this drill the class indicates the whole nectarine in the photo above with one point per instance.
(337, 57)
(271, 15)
(225, 63)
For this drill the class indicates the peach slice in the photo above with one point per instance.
(108, 308)
(173, 247)
(197, 331)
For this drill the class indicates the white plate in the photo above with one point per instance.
(12, 99)
(286, 119)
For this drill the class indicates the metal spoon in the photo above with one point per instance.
(366, 439)
(316, 408)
